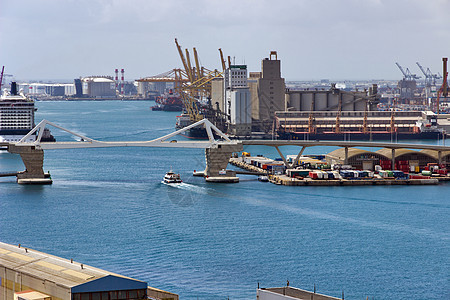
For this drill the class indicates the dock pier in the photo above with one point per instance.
(289, 181)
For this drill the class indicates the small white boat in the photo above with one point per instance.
(263, 178)
(172, 177)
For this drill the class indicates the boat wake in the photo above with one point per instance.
(187, 187)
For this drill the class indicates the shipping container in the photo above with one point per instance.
(313, 175)
(336, 175)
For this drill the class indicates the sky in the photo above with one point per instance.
(326, 39)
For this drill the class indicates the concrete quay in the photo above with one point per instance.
(286, 180)
(240, 164)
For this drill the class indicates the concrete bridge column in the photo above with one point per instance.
(217, 158)
(294, 164)
(393, 159)
(346, 156)
(33, 159)
(283, 158)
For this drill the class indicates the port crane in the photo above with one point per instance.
(407, 75)
(177, 76)
(430, 78)
(197, 86)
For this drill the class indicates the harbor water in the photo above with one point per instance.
(108, 208)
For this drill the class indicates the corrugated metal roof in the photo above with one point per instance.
(400, 152)
(340, 153)
(434, 153)
(62, 271)
(388, 152)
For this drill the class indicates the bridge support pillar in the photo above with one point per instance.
(217, 158)
(393, 160)
(346, 156)
(33, 159)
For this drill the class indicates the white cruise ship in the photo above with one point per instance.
(16, 115)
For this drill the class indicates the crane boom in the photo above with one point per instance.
(183, 60)
(407, 74)
(190, 73)
(401, 69)
(427, 75)
(222, 61)
(197, 65)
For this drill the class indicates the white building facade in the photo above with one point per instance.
(237, 100)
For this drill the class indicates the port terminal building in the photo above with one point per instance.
(405, 159)
(27, 274)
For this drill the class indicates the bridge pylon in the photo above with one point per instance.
(33, 159)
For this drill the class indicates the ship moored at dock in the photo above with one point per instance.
(17, 117)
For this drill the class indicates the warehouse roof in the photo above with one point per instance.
(340, 153)
(434, 153)
(400, 152)
(74, 275)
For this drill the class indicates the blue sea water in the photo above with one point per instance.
(107, 208)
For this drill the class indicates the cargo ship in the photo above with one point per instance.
(358, 125)
(17, 117)
(168, 102)
(359, 136)
(184, 120)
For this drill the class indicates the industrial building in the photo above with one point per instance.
(267, 90)
(47, 89)
(333, 99)
(237, 100)
(98, 86)
(148, 89)
(367, 160)
(28, 274)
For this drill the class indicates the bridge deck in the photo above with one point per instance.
(277, 143)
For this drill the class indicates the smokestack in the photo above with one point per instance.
(445, 85)
(117, 78)
(13, 88)
(122, 71)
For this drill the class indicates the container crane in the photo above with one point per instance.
(177, 76)
(407, 75)
(430, 78)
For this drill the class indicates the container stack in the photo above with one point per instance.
(385, 164)
(402, 165)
